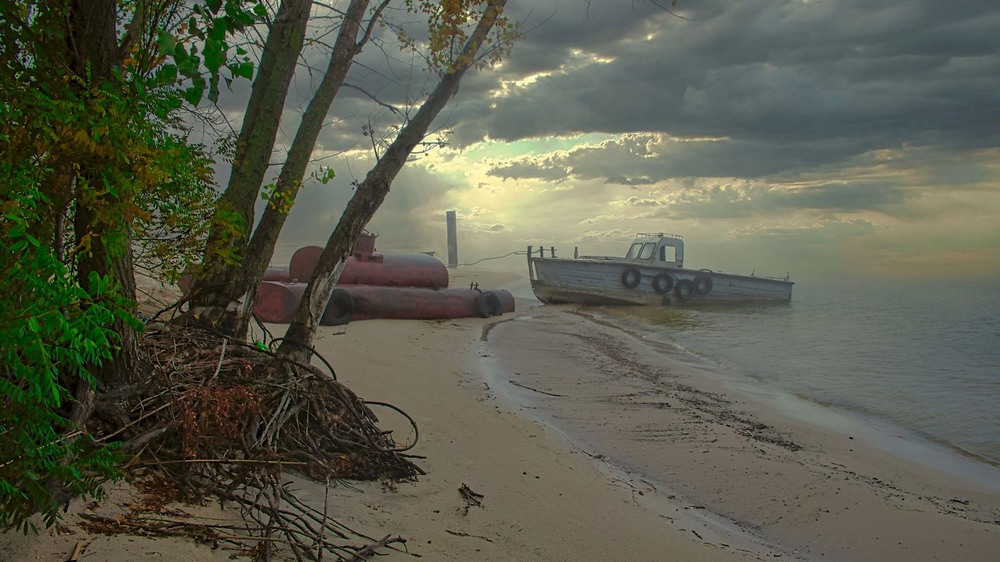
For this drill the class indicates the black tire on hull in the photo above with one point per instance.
(684, 290)
(631, 277)
(703, 283)
(662, 283)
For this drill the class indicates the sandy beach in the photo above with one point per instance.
(583, 442)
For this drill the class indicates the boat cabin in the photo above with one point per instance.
(660, 249)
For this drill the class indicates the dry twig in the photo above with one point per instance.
(224, 417)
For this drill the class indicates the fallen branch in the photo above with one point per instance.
(515, 383)
(222, 417)
(471, 498)
(464, 534)
(368, 551)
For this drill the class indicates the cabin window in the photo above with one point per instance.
(668, 254)
(633, 251)
(647, 251)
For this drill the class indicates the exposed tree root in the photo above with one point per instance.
(221, 417)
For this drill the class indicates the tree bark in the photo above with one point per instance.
(242, 286)
(254, 146)
(369, 195)
(93, 54)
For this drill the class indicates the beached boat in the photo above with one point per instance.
(651, 273)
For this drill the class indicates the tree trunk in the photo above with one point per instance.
(209, 299)
(93, 51)
(372, 191)
(242, 286)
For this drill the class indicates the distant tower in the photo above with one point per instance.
(452, 239)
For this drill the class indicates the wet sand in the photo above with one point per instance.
(698, 444)
(587, 443)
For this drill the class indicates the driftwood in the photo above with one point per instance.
(224, 418)
(471, 498)
(524, 386)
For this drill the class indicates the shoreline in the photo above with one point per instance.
(590, 442)
(901, 443)
(824, 500)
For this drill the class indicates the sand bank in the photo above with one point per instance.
(586, 443)
(708, 446)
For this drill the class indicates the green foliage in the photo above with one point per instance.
(282, 200)
(323, 174)
(199, 49)
(115, 148)
(446, 31)
(54, 332)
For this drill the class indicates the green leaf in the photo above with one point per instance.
(218, 30)
(215, 55)
(166, 74)
(189, 66)
(195, 29)
(243, 70)
(245, 18)
(196, 91)
(213, 87)
(165, 42)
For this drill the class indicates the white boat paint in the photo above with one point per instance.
(651, 273)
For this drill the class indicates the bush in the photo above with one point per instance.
(53, 333)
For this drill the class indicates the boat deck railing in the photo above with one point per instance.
(659, 235)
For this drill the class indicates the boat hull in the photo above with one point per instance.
(614, 282)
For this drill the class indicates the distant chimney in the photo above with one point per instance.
(452, 239)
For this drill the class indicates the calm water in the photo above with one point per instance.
(921, 356)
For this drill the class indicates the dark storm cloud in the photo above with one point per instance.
(802, 123)
(789, 84)
(749, 199)
(645, 159)
(526, 169)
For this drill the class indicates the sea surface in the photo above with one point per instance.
(922, 357)
(918, 359)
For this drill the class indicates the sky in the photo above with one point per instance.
(808, 137)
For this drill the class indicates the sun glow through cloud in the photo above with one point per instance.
(777, 134)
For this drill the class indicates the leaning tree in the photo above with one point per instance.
(372, 191)
(238, 252)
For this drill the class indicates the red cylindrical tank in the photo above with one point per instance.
(185, 283)
(396, 270)
(277, 274)
(303, 262)
(506, 300)
(276, 302)
(385, 270)
(271, 274)
(362, 302)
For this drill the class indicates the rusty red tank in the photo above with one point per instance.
(363, 302)
(366, 267)
(277, 274)
(374, 285)
(276, 302)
